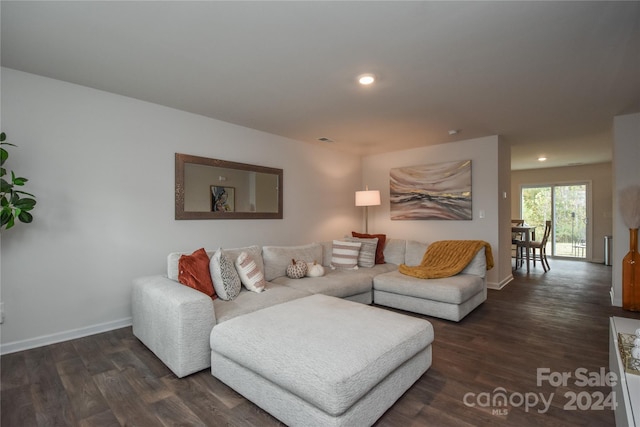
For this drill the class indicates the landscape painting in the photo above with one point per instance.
(440, 191)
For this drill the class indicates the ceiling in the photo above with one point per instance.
(547, 76)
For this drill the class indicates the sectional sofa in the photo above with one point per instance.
(175, 321)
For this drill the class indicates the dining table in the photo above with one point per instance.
(529, 234)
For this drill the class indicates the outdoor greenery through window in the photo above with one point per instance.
(566, 207)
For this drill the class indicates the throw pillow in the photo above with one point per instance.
(345, 254)
(225, 277)
(193, 271)
(382, 238)
(367, 255)
(250, 274)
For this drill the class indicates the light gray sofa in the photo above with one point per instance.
(175, 321)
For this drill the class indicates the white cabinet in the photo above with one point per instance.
(627, 388)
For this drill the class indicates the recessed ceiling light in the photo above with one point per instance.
(366, 79)
(542, 159)
(453, 131)
(325, 139)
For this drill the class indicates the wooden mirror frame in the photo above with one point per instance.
(182, 159)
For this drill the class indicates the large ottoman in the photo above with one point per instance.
(320, 360)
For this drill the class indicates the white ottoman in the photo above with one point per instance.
(320, 360)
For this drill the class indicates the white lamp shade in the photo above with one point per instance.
(368, 198)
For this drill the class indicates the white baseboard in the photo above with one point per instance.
(15, 346)
(502, 284)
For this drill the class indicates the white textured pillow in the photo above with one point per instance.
(367, 255)
(345, 254)
(250, 274)
(225, 277)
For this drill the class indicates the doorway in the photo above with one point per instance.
(566, 205)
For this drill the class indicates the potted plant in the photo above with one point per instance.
(15, 204)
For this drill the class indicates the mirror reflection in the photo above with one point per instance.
(217, 189)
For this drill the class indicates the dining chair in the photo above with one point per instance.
(515, 238)
(540, 246)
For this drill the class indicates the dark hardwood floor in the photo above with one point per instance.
(556, 320)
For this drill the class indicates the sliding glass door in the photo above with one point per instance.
(566, 206)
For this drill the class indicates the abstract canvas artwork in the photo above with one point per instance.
(435, 191)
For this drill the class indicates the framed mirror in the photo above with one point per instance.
(217, 189)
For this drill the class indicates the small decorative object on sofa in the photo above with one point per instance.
(297, 269)
(314, 269)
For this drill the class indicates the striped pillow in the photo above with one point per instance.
(345, 254)
(367, 255)
(250, 274)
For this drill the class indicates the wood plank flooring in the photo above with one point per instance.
(556, 320)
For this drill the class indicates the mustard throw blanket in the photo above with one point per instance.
(447, 258)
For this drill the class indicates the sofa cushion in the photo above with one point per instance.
(478, 265)
(254, 251)
(395, 250)
(277, 258)
(172, 263)
(382, 240)
(173, 257)
(248, 302)
(251, 276)
(415, 252)
(304, 361)
(345, 254)
(225, 277)
(367, 254)
(454, 290)
(193, 271)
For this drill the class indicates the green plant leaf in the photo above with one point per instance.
(5, 187)
(3, 136)
(23, 192)
(5, 216)
(25, 204)
(19, 181)
(25, 217)
(7, 221)
(3, 171)
(4, 155)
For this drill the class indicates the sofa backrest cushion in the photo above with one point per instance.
(477, 266)
(327, 252)
(277, 258)
(394, 251)
(415, 252)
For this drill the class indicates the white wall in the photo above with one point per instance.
(626, 172)
(102, 167)
(490, 179)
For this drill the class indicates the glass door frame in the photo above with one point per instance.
(588, 214)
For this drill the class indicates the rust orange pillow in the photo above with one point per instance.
(382, 238)
(193, 271)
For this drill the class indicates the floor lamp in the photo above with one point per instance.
(367, 198)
